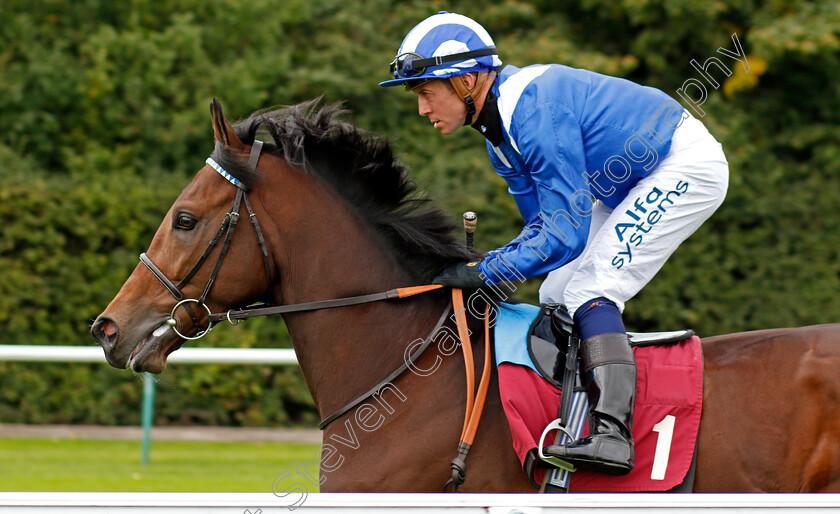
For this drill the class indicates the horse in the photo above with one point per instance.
(335, 215)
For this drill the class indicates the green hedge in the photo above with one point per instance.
(104, 117)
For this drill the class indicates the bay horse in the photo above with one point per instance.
(335, 215)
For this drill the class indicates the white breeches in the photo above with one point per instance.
(628, 245)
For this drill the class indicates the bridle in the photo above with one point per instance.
(226, 229)
(475, 401)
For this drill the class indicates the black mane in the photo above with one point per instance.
(363, 170)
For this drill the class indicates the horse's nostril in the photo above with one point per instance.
(106, 332)
(109, 328)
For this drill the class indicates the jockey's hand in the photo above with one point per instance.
(463, 275)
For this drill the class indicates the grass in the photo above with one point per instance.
(97, 465)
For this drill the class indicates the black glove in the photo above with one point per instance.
(463, 275)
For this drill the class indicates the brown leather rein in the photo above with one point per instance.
(475, 400)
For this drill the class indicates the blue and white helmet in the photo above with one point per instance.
(441, 46)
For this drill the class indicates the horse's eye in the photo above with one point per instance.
(185, 222)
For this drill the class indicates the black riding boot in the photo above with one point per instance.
(610, 380)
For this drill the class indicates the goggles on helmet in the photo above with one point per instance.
(410, 64)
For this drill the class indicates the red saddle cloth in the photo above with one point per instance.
(667, 412)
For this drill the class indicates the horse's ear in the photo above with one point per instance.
(222, 128)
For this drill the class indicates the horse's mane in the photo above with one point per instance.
(363, 170)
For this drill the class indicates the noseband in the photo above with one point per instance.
(226, 229)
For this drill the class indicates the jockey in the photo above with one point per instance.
(609, 176)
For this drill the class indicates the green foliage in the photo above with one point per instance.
(104, 109)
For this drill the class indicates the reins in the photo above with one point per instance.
(391, 294)
(475, 400)
(475, 407)
(399, 371)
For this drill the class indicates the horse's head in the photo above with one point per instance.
(334, 214)
(185, 273)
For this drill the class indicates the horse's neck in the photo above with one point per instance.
(343, 352)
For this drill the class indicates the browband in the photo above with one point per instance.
(253, 159)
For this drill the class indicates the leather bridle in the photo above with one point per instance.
(475, 402)
(226, 229)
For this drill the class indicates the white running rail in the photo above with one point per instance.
(55, 353)
(268, 503)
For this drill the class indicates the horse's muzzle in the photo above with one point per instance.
(106, 333)
(149, 351)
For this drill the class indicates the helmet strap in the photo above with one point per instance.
(466, 93)
(470, 110)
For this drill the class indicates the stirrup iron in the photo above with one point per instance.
(557, 462)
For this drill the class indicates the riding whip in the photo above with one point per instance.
(470, 222)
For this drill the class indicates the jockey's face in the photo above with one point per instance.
(439, 101)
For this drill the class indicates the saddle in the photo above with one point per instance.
(551, 331)
(533, 346)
